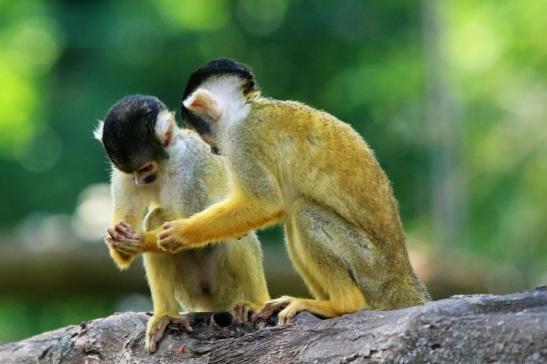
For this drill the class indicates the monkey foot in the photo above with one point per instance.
(273, 306)
(156, 327)
(295, 306)
(241, 310)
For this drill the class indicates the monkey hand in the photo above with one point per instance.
(156, 327)
(124, 240)
(171, 238)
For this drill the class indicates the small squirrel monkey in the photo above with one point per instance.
(172, 172)
(289, 162)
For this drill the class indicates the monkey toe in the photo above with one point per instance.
(237, 312)
(271, 307)
(289, 312)
(240, 312)
(156, 328)
(154, 332)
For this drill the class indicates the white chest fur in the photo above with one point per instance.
(182, 189)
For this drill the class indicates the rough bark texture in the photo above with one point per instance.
(461, 329)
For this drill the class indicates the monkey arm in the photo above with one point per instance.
(228, 219)
(149, 241)
(255, 201)
(128, 206)
(122, 260)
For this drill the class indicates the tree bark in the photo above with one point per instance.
(461, 329)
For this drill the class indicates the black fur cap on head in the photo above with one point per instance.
(129, 136)
(216, 67)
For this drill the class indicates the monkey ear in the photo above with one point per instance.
(203, 103)
(98, 132)
(165, 127)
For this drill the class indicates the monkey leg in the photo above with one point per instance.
(313, 285)
(319, 244)
(161, 275)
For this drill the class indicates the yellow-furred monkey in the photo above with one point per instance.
(172, 172)
(289, 162)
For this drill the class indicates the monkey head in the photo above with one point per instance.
(135, 134)
(215, 95)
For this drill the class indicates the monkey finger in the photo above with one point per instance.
(126, 225)
(129, 230)
(127, 243)
(165, 243)
(122, 230)
(128, 250)
(171, 246)
(165, 233)
(168, 225)
(112, 233)
(114, 244)
(122, 249)
(130, 242)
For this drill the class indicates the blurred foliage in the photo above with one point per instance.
(63, 63)
(21, 317)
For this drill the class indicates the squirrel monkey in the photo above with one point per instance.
(172, 172)
(289, 162)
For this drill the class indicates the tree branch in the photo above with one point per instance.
(477, 328)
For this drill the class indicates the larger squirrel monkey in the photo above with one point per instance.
(292, 163)
(172, 172)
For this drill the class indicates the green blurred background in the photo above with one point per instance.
(451, 95)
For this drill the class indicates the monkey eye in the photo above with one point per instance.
(146, 168)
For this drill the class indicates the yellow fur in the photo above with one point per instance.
(344, 235)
